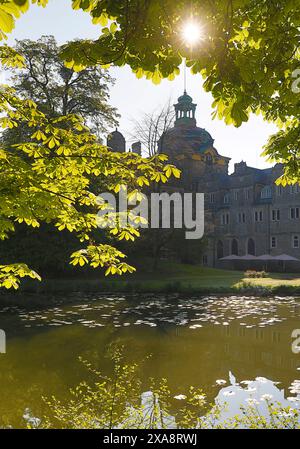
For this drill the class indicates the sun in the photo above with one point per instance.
(191, 32)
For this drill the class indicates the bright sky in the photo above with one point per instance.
(134, 96)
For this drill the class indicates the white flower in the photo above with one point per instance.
(180, 397)
(221, 382)
(200, 397)
(252, 401)
(267, 397)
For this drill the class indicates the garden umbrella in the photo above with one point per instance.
(266, 257)
(232, 257)
(285, 258)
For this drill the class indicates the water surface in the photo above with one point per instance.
(232, 347)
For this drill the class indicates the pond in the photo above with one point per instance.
(234, 348)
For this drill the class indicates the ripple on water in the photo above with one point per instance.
(193, 312)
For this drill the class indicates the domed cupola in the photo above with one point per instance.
(185, 98)
(185, 111)
(116, 141)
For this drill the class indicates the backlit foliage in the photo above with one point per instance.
(48, 179)
(247, 59)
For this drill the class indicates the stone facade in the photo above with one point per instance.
(245, 212)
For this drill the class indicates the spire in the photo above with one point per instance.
(184, 74)
(185, 111)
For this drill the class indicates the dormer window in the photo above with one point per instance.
(266, 192)
(227, 198)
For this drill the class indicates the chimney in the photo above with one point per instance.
(137, 148)
(240, 168)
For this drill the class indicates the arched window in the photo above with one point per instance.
(234, 247)
(208, 158)
(220, 249)
(251, 247)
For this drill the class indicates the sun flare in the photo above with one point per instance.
(191, 32)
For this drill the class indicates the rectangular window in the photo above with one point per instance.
(212, 198)
(226, 198)
(294, 189)
(241, 217)
(295, 241)
(294, 213)
(236, 195)
(258, 216)
(279, 190)
(247, 194)
(266, 192)
(275, 215)
(225, 219)
(273, 242)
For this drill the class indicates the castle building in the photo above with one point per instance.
(246, 213)
(116, 141)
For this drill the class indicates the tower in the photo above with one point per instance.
(137, 148)
(185, 111)
(116, 141)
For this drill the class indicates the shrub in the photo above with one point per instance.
(120, 402)
(255, 274)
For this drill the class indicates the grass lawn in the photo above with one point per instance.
(173, 277)
(196, 277)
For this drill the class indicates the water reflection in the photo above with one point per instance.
(192, 341)
(256, 392)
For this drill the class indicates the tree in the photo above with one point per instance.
(47, 179)
(152, 126)
(58, 90)
(249, 55)
(248, 58)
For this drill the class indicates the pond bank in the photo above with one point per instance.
(170, 278)
(49, 291)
